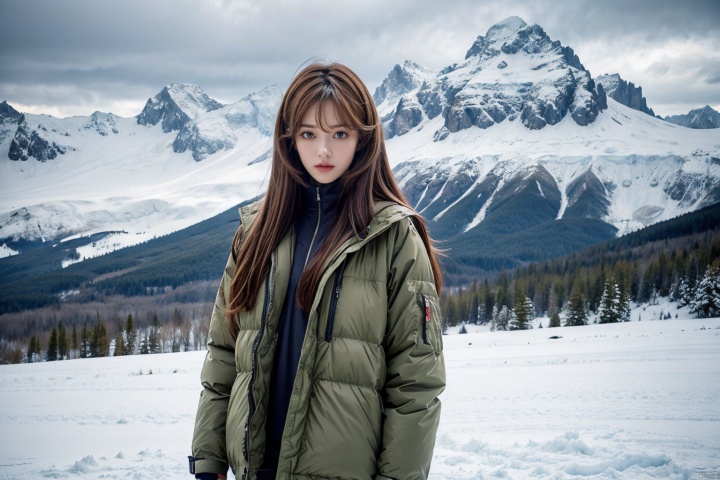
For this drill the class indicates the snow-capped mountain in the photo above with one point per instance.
(624, 92)
(705, 117)
(518, 136)
(216, 130)
(136, 177)
(514, 145)
(175, 105)
(514, 71)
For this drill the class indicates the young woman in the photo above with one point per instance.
(325, 351)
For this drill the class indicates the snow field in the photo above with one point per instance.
(630, 400)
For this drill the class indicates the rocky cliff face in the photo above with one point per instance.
(9, 119)
(29, 142)
(624, 92)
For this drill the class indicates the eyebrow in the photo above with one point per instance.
(305, 125)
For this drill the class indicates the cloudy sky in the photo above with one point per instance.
(73, 57)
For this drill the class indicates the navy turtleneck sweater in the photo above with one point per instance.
(319, 204)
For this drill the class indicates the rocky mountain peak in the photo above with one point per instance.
(191, 98)
(175, 105)
(9, 114)
(401, 79)
(514, 72)
(505, 30)
(702, 118)
(103, 123)
(511, 36)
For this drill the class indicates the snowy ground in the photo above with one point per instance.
(632, 400)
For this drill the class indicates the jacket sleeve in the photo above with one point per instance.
(415, 367)
(217, 377)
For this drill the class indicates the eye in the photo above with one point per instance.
(306, 135)
(342, 135)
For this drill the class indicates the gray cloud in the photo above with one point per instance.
(79, 56)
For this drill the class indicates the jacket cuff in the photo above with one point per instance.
(382, 477)
(211, 466)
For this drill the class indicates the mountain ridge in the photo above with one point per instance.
(518, 125)
(703, 118)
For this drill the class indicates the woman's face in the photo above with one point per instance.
(325, 155)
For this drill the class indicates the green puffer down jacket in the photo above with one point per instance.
(365, 400)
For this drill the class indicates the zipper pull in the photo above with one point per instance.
(427, 308)
(337, 292)
(317, 190)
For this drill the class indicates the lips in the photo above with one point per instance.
(324, 167)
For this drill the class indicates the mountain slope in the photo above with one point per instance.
(192, 254)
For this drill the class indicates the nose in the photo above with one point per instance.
(324, 151)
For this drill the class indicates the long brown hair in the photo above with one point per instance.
(368, 179)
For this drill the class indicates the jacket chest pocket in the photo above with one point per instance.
(430, 337)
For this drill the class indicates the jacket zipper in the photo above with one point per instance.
(253, 374)
(333, 302)
(427, 319)
(317, 226)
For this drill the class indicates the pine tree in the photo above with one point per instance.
(154, 335)
(624, 303)
(30, 349)
(474, 316)
(144, 344)
(450, 310)
(530, 309)
(553, 311)
(52, 351)
(707, 293)
(176, 331)
(576, 314)
(648, 285)
(33, 349)
(62, 342)
(501, 297)
(503, 318)
(610, 303)
(690, 282)
(84, 342)
(102, 345)
(119, 344)
(130, 336)
(521, 314)
(74, 342)
(481, 313)
(94, 338)
(488, 302)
